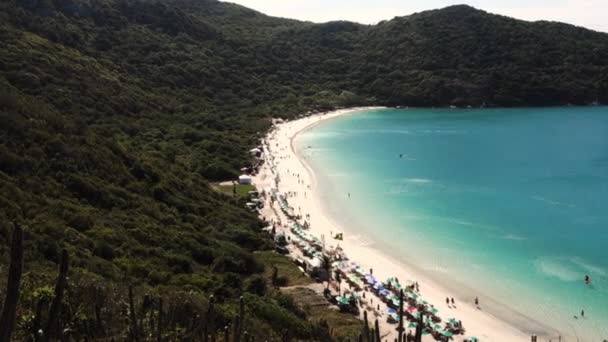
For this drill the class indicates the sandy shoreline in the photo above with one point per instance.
(296, 176)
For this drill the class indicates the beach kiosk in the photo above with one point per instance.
(244, 179)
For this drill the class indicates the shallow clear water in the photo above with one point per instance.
(512, 203)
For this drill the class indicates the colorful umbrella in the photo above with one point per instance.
(413, 295)
(342, 300)
(446, 333)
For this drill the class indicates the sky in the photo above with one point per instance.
(592, 14)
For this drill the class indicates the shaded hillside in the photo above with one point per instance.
(465, 56)
(115, 115)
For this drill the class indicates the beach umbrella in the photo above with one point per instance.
(425, 332)
(342, 300)
(452, 321)
(436, 327)
(416, 314)
(446, 333)
(385, 293)
(412, 325)
(434, 310)
(391, 311)
(473, 339)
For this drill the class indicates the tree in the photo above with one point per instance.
(9, 310)
(52, 325)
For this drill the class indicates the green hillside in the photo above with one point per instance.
(115, 116)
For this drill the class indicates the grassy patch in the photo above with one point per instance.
(242, 190)
(343, 326)
(285, 267)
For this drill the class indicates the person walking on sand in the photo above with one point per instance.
(453, 302)
(447, 301)
(477, 302)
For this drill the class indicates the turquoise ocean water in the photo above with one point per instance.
(510, 204)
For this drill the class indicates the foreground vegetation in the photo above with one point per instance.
(116, 117)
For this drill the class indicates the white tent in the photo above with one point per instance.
(244, 179)
(255, 151)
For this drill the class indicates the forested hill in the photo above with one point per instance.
(116, 115)
(454, 56)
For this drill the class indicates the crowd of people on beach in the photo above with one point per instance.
(363, 291)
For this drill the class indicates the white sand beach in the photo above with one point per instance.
(297, 177)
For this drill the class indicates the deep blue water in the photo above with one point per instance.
(512, 203)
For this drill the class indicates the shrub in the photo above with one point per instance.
(103, 250)
(257, 285)
(179, 264)
(218, 171)
(203, 255)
